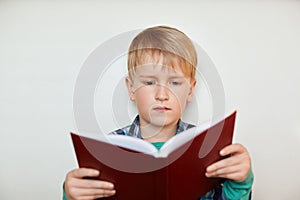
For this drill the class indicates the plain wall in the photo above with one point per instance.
(254, 45)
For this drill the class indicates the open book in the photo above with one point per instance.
(139, 171)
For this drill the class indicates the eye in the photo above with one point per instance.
(175, 83)
(149, 82)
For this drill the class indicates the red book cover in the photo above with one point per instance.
(139, 171)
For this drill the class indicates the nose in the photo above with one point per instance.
(162, 93)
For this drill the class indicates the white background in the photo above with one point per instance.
(255, 47)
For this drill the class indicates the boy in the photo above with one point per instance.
(161, 80)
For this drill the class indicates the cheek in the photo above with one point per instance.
(181, 103)
(180, 95)
(143, 97)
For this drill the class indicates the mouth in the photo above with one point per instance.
(161, 108)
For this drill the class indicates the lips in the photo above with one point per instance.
(161, 108)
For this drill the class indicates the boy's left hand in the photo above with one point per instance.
(235, 167)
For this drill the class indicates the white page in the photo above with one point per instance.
(143, 146)
(132, 143)
(128, 142)
(187, 135)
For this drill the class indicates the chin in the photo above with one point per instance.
(163, 121)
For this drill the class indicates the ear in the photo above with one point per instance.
(129, 85)
(191, 91)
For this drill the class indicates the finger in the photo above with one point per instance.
(223, 171)
(234, 160)
(104, 193)
(83, 172)
(79, 193)
(92, 193)
(236, 172)
(236, 176)
(95, 184)
(233, 149)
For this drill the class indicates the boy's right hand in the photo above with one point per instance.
(76, 187)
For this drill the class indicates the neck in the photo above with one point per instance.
(152, 133)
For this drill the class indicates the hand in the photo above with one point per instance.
(84, 189)
(235, 167)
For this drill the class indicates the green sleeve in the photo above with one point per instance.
(241, 190)
(64, 193)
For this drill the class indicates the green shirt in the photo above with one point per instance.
(158, 145)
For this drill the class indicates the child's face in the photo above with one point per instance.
(160, 93)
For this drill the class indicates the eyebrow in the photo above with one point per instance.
(177, 76)
(153, 76)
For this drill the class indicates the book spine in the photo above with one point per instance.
(167, 183)
(162, 184)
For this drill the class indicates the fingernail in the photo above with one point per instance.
(208, 168)
(222, 152)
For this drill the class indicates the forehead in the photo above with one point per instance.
(155, 61)
(157, 57)
(150, 69)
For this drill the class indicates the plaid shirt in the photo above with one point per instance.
(133, 130)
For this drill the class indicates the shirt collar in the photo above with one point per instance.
(135, 131)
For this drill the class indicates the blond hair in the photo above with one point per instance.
(173, 45)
